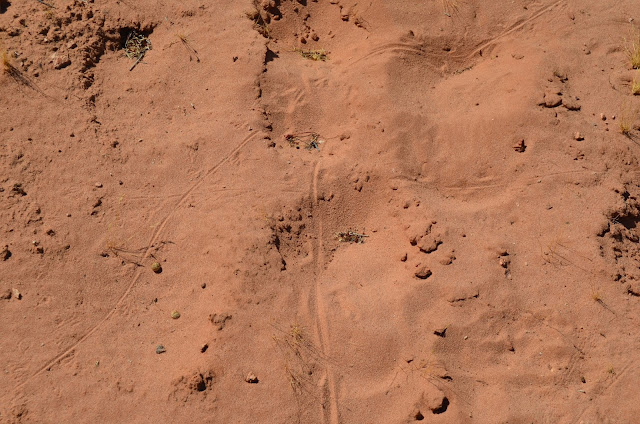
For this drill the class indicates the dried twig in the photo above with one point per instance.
(46, 4)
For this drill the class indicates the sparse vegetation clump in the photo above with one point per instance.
(136, 46)
(350, 237)
(308, 140)
(317, 54)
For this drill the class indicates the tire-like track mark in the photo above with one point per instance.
(153, 239)
(516, 26)
(602, 390)
(400, 47)
(422, 50)
(320, 316)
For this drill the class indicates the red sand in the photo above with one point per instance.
(526, 305)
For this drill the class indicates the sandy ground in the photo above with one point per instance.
(473, 148)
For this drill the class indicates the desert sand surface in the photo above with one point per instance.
(298, 211)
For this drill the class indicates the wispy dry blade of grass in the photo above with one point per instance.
(187, 45)
(15, 74)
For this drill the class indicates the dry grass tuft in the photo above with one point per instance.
(634, 53)
(7, 67)
(627, 117)
(635, 85)
(633, 49)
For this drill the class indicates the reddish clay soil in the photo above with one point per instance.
(472, 148)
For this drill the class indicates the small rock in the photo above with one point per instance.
(204, 348)
(5, 295)
(16, 294)
(156, 267)
(520, 147)
(603, 117)
(61, 62)
(160, 349)
(423, 273)
(551, 99)
(98, 185)
(561, 75)
(203, 285)
(578, 136)
(403, 257)
(175, 314)
(251, 378)
(429, 244)
(571, 104)
(5, 253)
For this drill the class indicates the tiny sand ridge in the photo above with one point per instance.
(329, 211)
